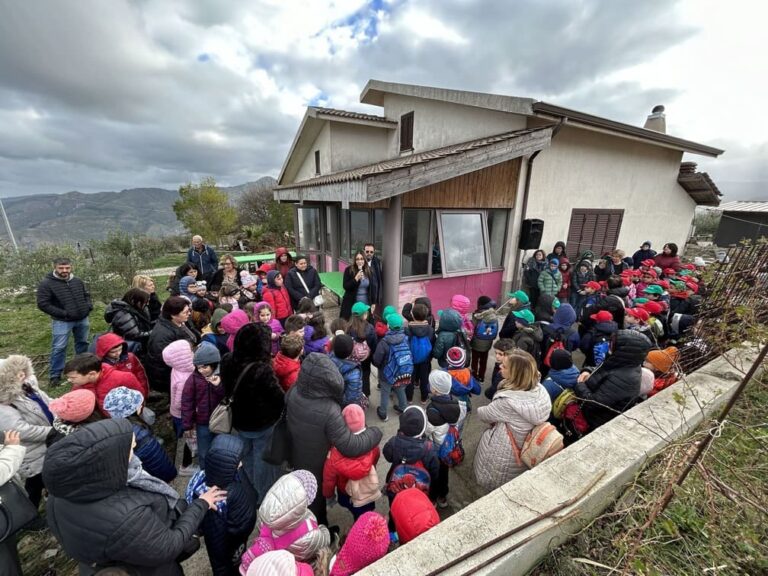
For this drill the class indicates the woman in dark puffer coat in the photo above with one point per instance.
(100, 520)
(258, 402)
(615, 385)
(173, 325)
(316, 423)
(129, 317)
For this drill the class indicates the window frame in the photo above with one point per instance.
(432, 228)
(320, 229)
(483, 231)
(317, 162)
(406, 132)
(507, 213)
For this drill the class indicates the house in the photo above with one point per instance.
(443, 180)
(742, 221)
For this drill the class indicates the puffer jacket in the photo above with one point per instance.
(153, 457)
(11, 458)
(353, 381)
(21, 413)
(67, 300)
(110, 378)
(101, 521)
(615, 386)
(450, 324)
(550, 283)
(514, 410)
(284, 508)
(558, 380)
(401, 448)
(578, 279)
(339, 470)
(206, 261)
(162, 334)
(128, 322)
(480, 344)
(381, 356)
(315, 420)
(286, 369)
(563, 327)
(227, 534)
(296, 288)
(529, 339)
(178, 355)
(279, 266)
(277, 297)
(442, 412)
(565, 289)
(127, 362)
(198, 400)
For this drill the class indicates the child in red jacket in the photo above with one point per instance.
(354, 480)
(276, 295)
(287, 362)
(88, 372)
(113, 350)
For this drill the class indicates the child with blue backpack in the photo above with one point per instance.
(421, 336)
(486, 328)
(350, 371)
(445, 416)
(463, 383)
(395, 363)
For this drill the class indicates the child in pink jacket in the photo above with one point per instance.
(179, 356)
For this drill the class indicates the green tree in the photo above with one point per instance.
(261, 217)
(204, 209)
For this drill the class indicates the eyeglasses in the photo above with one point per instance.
(369, 251)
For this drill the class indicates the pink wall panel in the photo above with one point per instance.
(440, 290)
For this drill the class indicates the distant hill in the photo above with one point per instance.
(78, 217)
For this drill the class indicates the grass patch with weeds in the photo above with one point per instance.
(717, 522)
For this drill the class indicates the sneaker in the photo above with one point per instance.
(398, 409)
(54, 381)
(442, 502)
(190, 470)
(393, 539)
(383, 416)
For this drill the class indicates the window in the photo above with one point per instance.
(317, 162)
(359, 230)
(497, 235)
(344, 234)
(309, 228)
(331, 227)
(406, 132)
(379, 221)
(594, 230)
(463, 241)
(417, 242)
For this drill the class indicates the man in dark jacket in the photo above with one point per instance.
(102, 520)
(67, 301)
(316, 423)
(377, 280)
(203, 258)
(614, 387)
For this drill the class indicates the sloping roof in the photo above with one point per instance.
(393, 177)
(346, 114)
(744, 206)
(698, 185)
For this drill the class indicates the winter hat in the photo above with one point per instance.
(308, 481)
(394, 321)
(216, 318)
(360, 308)
(74, 406)
(342, 346)
(485, 303)
(456, 357)
(264, 269)
(646, 381)
(121, 402)
(650, 262)
(388, 310)
(201, 305)
(354, 416)
(554, 261)
(560, 359)
(663, 360)
(460, 303)
(592, 284)
(413, 421)
(653, 289)
(278, 563)
(646, 243)
(653, 307)
(367, 542)
(525, 317)
(206, 354)
(520, 296)
(699, 262)
(641, 300)
(639, 313)
(440, 382)
(602, 316)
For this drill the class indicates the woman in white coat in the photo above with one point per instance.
(11, 456)
(520, 404)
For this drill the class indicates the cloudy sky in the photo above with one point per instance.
(111, 94)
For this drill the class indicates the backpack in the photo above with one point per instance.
(399, 367)
(600, 350)
(542, 442)
(405, 476)
(360, 350)
(556, 345)
(487, 330)
(451, 451)
(463, 342)
(421, 349)
(561, 402)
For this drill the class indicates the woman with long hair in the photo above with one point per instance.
(357, 285)
(129, 317)
(147, 283)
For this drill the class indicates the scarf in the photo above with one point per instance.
(142, 480)
(197, 487)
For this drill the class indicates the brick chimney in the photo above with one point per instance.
(656, 120)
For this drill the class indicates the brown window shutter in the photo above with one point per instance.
(406, 132)
(596, 230)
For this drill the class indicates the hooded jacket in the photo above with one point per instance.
(518, 411)
(109, 378)
(410, 444)
(227, 533)
(296, 288)
(445, 337)
(353, 381)
(199, 399)
(558, 380)
(277, 297)
(443, 411)
(279, 266)
(178, 355)
(286, 369)
(615, 386)
(21, 413)
(128, 322)
(339, 470)
(413, 514)
(640, 255)
(529, 339)
(550, 282)
(127, 362)
(98, 519)
(563, 327)
(578, 279)
(163, 334)
(488, 315)
(381, 355)
(315, 420)
(66, 300)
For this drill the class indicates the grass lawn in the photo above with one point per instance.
(170, 259)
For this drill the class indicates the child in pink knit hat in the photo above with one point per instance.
(367, 542)
(463, 306)
(73, 409)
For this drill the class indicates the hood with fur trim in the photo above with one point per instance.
(10, 387)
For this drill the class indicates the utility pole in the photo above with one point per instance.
(8, 227)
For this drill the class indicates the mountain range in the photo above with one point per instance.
(77, 217)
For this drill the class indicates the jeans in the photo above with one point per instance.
(204, 439)
(420, 380)
(261, 474)
(386, 388)
(61, 330)
(479, 364)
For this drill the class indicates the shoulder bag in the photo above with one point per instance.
(317, 300)
(16, 510)
(221, 418)
(280, 446)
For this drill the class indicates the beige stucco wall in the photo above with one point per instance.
(354, 145)
(586, 169)
(437, 124)
(322, 143)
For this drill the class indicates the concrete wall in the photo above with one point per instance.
(437, 124)
(585, 169)
(618, 450)
(353, 145)
(322, 143)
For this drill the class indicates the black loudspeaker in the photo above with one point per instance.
(531, 233)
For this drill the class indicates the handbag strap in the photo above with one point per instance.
(515, 449)
(301, 278)
(239, 379)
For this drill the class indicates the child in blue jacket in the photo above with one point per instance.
(562, 374)
(350, 371)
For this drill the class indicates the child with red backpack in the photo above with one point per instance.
(463, 383)
(395, 363)
(414, 458)
(421, 337)
(445, 417)
(486, 328)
